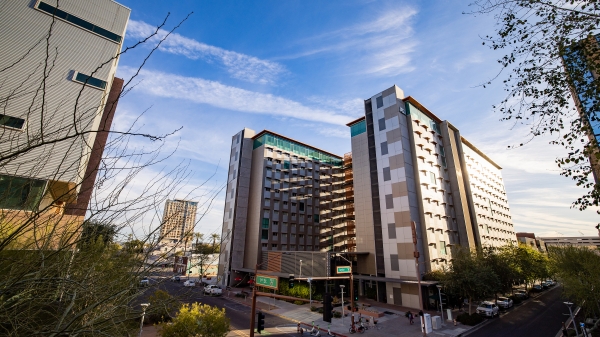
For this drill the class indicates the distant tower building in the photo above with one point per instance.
(179, 218)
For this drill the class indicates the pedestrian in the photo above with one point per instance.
(409, 315)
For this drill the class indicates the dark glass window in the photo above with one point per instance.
(94, 82)
(265, 234)
(392, 230)
(389, 201)
(387, 174)
(379, 101)
(381, 124)
(384, 148)
(11, 122)
(20, 193)
(394, 262)
(78, 21)
(301, 207)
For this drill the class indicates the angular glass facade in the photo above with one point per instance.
(299, 149)
(358, 128)
(413, 110)
(20, 193)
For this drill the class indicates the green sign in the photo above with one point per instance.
(267, 281)
(344, 270)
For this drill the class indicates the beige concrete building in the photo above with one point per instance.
(409, 165)
(578, 241)
(179, 219)
(282, 195)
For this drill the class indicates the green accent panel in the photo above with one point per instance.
(316, 217)
(421, 116)
(265, 234)
(299, 149)
(358, 128)
(20, 193)
(286, 165)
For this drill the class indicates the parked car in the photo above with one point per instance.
(176, 279)
(144, 282)
(213, 290)
(189, 283)
(544, 285)
(522, 294)
(550, 283)
(504, 302)
(537, 288)
(488, 309)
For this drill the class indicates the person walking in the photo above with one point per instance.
(410, 317)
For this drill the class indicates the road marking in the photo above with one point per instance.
(240, 333)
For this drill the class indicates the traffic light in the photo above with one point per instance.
(260, 326)
(291, 281)
(355, 295)
(327, 307)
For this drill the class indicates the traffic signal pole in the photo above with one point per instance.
(253, 311)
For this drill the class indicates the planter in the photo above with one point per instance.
(376, 314)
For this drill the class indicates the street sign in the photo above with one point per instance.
(267, 281)
(344, 270)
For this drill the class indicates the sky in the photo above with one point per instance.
(304, 68)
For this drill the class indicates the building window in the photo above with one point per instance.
(392, 230)
(12, 122)
(265, 222)
(381, 124)
(42, 6)
(265, 245)
(432, 178)
(20, 193)
(379, 101)
(89, 80)
(265, 234)
(394, 263)
(387, 175)
(273, 245)
(316, 218)
(301, 208)
(442, 247)
(384, 148)
(389, 201)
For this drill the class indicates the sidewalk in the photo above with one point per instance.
(392, 323)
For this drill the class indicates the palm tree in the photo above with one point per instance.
(199, 238)
(214, 237)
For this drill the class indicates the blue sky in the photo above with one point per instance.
(303, 68)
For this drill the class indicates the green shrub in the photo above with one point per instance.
(299, 302)
(320, 310)
(467, 319)
(313, 308)
(337, 314)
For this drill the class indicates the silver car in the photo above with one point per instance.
(488, 309)
(504, 302)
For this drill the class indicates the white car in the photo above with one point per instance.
(504, 302)
(488, 309)
(189, 283)
(144, 282)
(213, 290)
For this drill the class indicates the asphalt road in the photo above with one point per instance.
(239, 314)
(541, 316)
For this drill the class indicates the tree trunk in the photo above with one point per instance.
(469, 305)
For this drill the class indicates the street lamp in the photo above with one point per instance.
(300, 268)
(144, 307)
(351, 289)
(569, 304)
(441, 306)
(342, 286)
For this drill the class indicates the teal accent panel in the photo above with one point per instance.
(358, 128)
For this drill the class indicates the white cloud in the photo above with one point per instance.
(240, 66)
(227, 97)
(378, 46)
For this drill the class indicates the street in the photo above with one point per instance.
(541, 316)
(239, 314)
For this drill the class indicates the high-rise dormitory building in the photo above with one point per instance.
(406, 165)
(179, 219)
(81, 36)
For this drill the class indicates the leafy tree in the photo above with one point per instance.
(541, 39)
(577, 268)
(197, 320)
(164, 306)
(503, 261)
(470, 276)
(532, 265)
(93, 231)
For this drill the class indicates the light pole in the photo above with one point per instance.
(342, 286)
(351, 290)
(569, 304)
(300, 268)
(310, 289)
(144, 307)
(441, 306)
